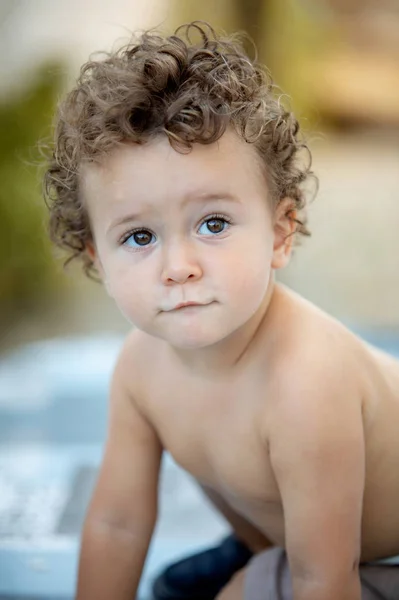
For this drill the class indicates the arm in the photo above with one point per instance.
(122, 513)
(317, 452)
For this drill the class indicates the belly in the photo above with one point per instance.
(245, 482)
(264, 514)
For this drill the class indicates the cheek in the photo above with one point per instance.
(248, 269)
(249, 280)
(130, 293)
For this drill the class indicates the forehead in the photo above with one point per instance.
(145, 173)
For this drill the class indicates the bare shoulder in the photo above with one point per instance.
(310, 330)
(137, 357)
(317, 363)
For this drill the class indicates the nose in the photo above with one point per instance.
(180, 263)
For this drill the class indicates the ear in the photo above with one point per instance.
(91, 251)
(284, 232)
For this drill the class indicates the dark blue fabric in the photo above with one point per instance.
(202, 575)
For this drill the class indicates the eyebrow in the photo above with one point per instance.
(189, 199)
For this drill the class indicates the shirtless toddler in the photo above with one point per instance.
(177, 177)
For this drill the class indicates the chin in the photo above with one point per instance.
(196, 338)
(191, 342)
(192, 338)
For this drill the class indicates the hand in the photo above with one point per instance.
(234, 590)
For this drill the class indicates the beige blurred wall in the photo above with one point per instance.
(350, 265)
(33, 31)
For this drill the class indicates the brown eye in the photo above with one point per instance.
(215, 225)
(142, 238)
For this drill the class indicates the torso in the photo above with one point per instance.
(211, 429)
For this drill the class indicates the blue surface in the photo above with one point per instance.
(53, 410)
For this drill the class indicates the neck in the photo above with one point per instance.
(229, 353)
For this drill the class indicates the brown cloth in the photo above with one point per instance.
(268, 578)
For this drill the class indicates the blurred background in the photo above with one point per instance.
(338, 60)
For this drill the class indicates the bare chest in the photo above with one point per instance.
(215, 434)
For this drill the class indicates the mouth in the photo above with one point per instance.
(185, 304)
(188, 305)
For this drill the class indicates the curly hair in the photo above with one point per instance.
(190, 92)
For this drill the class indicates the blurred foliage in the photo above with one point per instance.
(287, 34)
(299, 32)
(28, 270)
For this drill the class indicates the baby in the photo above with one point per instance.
(176, 177)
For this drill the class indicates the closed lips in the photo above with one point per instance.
(188, 304)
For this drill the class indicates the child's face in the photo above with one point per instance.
(197, 229)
